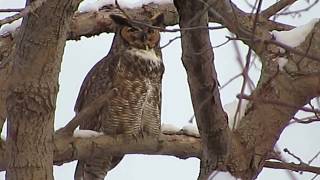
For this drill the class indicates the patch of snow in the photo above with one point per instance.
(191, 130)
(130, 4)
(222, 175)
(296, 36)
(231, 109)
(169, 129)
(158, 1)
(86, 133)
(282, 61)
(10, 28)
(281, 50)
(96, 5)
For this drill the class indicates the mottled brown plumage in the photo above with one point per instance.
(134, 68)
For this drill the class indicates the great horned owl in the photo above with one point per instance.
(134, 68)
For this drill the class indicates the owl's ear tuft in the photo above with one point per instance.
(120, 20)
(158, 20)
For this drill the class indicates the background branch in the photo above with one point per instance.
(276, 7)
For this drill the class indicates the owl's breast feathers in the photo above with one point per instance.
(129, 70)
(144, 63)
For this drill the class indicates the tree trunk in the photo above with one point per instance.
(33, 88)
(197, 57)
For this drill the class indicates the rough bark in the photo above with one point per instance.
(197, 57)
(6, 46)
(297, 85)
(33, 88)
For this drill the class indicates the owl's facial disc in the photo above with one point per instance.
(141, 38)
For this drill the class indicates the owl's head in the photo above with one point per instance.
(138, 35)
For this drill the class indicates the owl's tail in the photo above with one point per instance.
(95, 168)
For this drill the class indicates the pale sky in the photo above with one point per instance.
(81, 55)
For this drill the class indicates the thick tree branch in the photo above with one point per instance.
(197, 57)
(276, 7)
(68, 149)
(94, 23)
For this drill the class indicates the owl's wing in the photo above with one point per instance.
(97, 82)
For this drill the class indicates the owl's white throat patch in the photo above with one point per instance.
(149, 55)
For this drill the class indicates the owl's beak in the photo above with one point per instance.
(142, 36)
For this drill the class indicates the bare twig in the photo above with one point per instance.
(284, 46)
(314, 157)
(222, 44)
(312, 107)
(170, 41)
(314, 177)
(276, 102)
(11, 10)
(286, 150)
(30, 8)
(239, 60)
(283, 159)
(178, 29)
(292, 167)
(230, 80)
(247, 65)
(285, 12)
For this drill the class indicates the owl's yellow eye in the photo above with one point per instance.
(132, 29)
(151, 31)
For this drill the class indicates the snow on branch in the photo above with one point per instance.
(169, 129)
(86, 133)
(291, 38)
(10, 28)
(95, 6)
(296, 36)
(191, 130)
